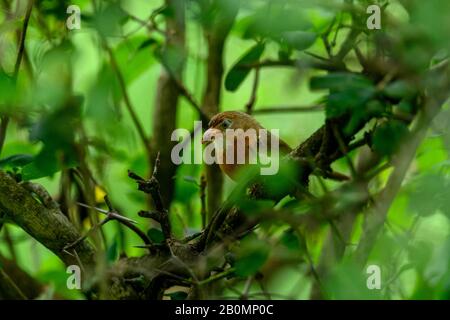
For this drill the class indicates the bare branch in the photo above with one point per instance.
(288, 109)
(151, 187)
(35, 219)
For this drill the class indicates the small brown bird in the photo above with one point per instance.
(230, 122)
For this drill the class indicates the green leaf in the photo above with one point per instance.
(57, 131)
(399, 89)
(147, 43)
(58, 128)
(172, 57)
(237, 74)
(284, 53)
(108, 20)
(47, 163)
(291, 240)
(251, 256)
(253, 207)
(361, 111)
(280, 184)
(53, 81)
(16, 161)
(388, 137)
(321, 19)
(439, 57)
(179, 295)
(10, 25)
(54, 8)
(349, 94)
(103, 97)
(300, 40)
(112, 252)
(340, 81)
(273, 23)
(346, 281)
(7, 89)
(405, 106)
(155, 235)
(429, 193)
(133, 60)
(349, 100)
(186, 190)
(419, 254)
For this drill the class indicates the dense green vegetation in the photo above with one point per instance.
(85, 113)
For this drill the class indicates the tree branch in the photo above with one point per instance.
(168, 94)
(27, 285)
(48, 226)
(152, 187)
(216, 33)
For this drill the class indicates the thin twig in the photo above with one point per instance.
(362, 60)
(185, 92)
(112, 214)
(126, 98)
(309, 258)
(248, 285)
(150, 24)
(10, 244)
(3, 128)
(203, 212)
(287, 109)
(344, 149)
(316, 56)
(130, 224)
(250, 104)
(326, 42)
(216, 277)
(263, 289)
(13, 289)
(22, 39)
(20, 53)
(151, 187)
(351, 38)
(2, 220)
(327, 65)
(191, 237)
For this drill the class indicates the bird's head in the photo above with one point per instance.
(229, 120)
(245, 136)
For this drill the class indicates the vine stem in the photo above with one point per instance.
(5, 118)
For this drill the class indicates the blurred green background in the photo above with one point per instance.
(414, 249)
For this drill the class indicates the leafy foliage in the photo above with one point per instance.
(78, 110)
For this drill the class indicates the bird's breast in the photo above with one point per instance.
(236, 154)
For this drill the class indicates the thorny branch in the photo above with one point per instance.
(151, 186)
(111, 214)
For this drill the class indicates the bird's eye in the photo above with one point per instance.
(226, 123)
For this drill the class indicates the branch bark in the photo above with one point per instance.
(216, 34)
(26, 285)
(47, 225)
(165, 110)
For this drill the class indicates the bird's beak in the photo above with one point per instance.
(209, 135)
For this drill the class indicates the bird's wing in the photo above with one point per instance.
(283, 147)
